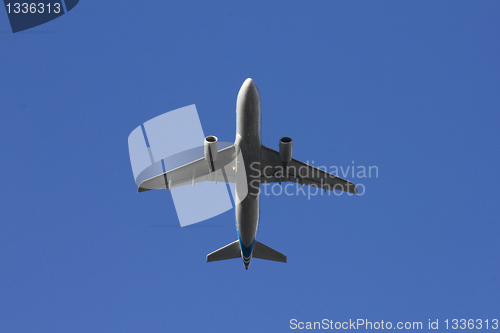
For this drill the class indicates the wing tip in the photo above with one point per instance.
(142, 189)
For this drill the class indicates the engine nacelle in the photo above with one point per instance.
(286, 145)
(211, 146)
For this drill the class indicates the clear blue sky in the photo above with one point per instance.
(411, 87)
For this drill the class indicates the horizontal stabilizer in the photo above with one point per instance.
(230, 251)
(262, 251)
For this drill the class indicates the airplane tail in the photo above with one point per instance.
(262, 251)
(233, 250)
(230, 251)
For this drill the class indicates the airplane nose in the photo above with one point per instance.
(250, 83)
(249, 94)
(249, 87)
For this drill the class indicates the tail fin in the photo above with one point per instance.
(230, 251)
(262, 251)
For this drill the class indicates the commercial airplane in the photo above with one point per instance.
(247, 163)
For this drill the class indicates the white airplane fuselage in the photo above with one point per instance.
(248, 142)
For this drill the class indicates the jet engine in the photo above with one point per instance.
(286, 149)
(211, 149)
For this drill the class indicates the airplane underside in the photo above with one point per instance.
(247, 163)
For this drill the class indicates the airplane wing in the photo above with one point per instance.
(273, 170)
(195, 172)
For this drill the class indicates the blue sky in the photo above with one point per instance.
(410, 87)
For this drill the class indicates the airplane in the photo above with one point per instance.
(260, 164)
